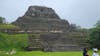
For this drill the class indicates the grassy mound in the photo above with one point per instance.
(17, 41)
(8, 26)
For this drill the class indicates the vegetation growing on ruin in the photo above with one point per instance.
(8, 26)
(17, 41)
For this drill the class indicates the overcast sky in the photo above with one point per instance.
(81, 12)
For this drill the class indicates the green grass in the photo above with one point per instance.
(8, 26)
(40, 53)
(16, 41)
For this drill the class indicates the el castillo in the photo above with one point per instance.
(48, 32)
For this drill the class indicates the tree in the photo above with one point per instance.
(94, 36)
(98, 23)
(2, 20)
(74, 27)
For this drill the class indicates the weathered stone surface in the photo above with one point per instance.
(40, 11)
(63, 41)
(41, 21)
(49, 32)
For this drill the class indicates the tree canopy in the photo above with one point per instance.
(98, 24)
(94, 36)
(2, 20)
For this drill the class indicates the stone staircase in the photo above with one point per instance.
(34, 42)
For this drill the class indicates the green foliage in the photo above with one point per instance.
(2, 20)
(17, 41)
(2, 40)
(98, 24)
(94, 36)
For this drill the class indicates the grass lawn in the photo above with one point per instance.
(40, 53)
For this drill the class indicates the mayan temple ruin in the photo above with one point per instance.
(48, 32)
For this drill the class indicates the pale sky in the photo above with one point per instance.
(84, 13)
